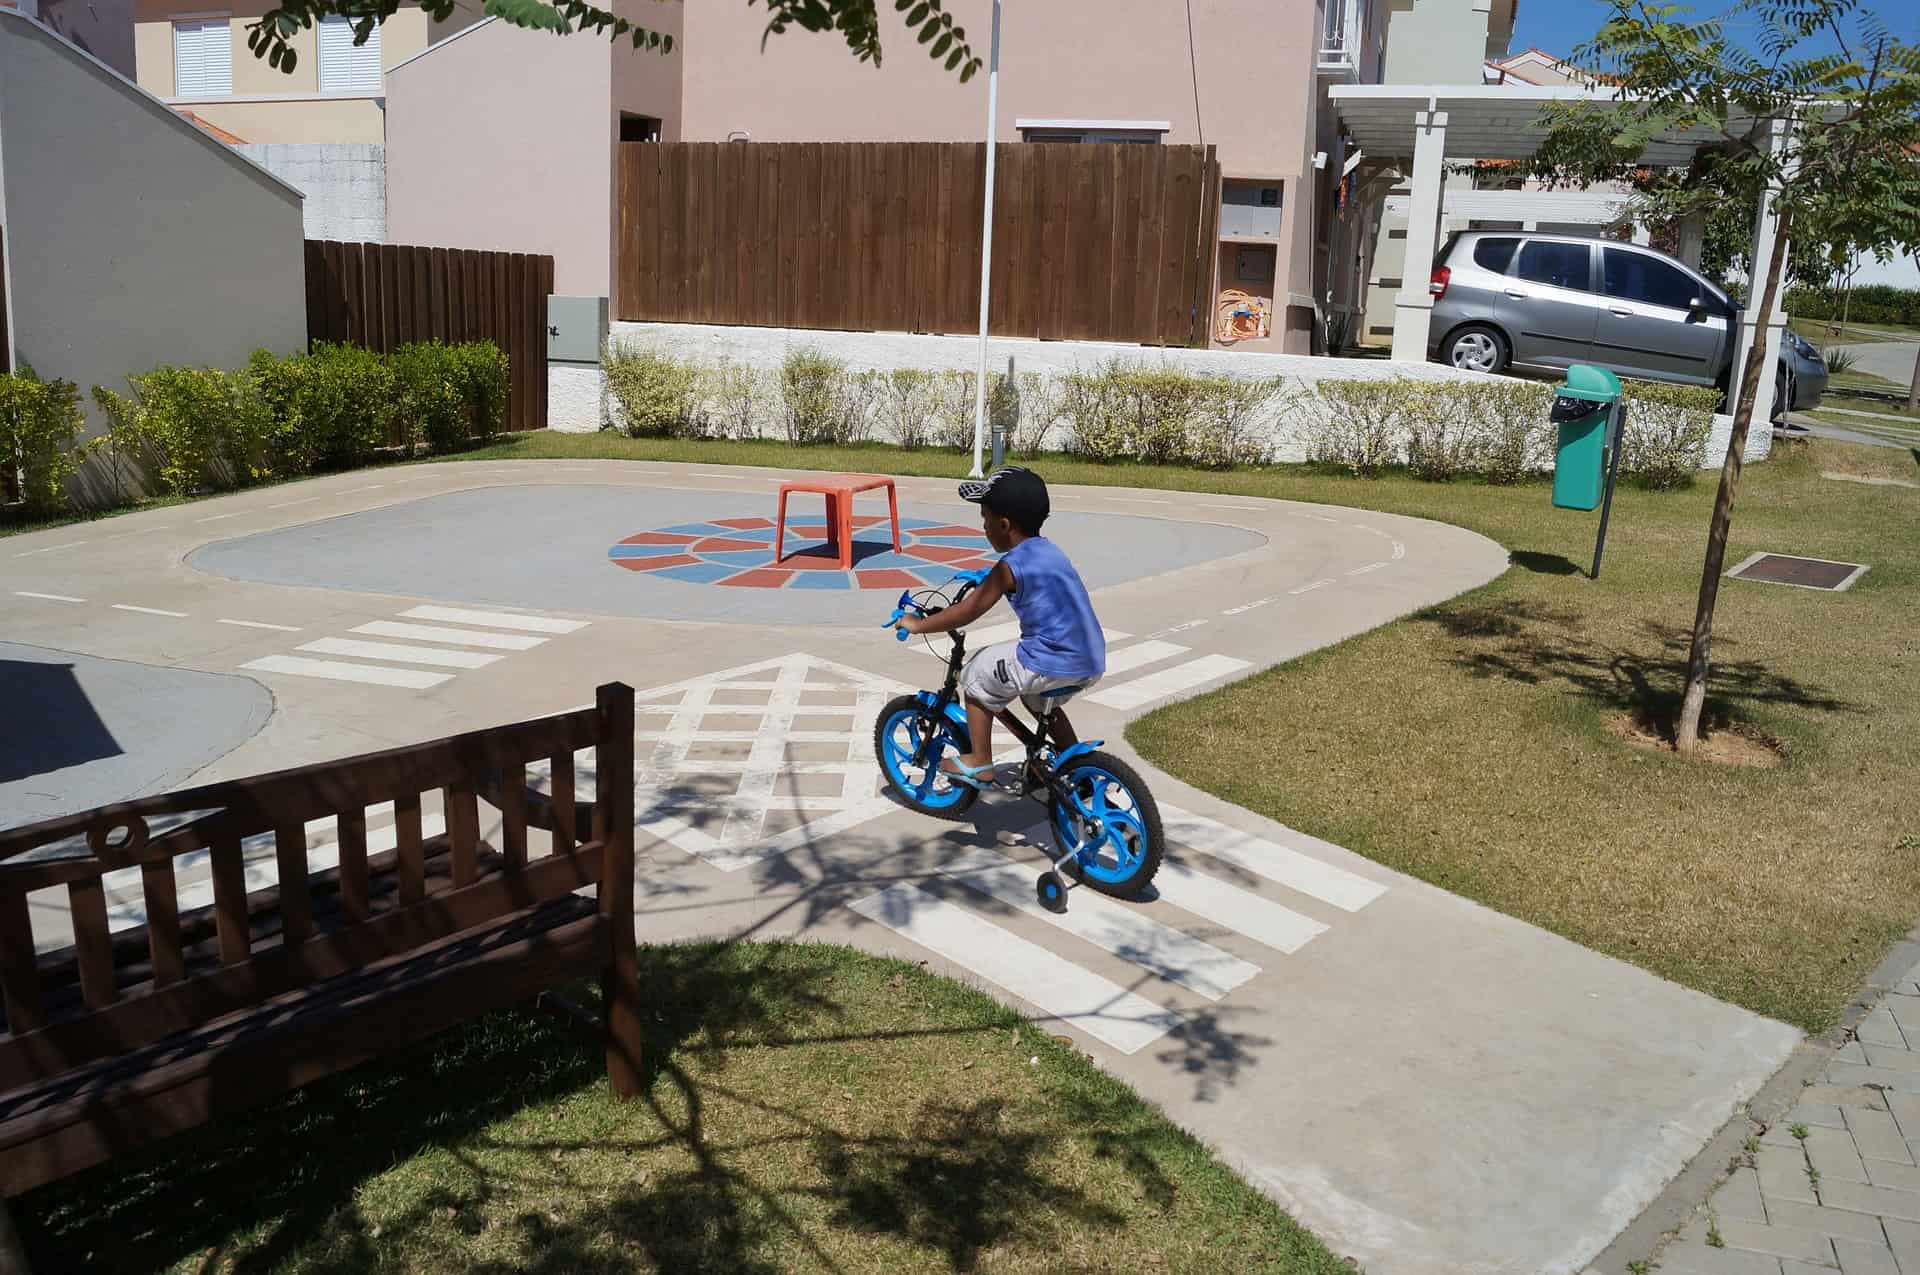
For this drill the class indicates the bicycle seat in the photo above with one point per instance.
(1051, 699)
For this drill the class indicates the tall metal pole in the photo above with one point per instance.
(986, 245)
(1617, 429)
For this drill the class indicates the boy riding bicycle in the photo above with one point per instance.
(1060, 643)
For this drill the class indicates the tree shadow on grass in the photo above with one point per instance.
(285, 1186)
(1544, 646)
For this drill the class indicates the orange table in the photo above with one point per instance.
(839, 490)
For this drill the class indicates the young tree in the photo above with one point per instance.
(858, 22)
(1822, 112)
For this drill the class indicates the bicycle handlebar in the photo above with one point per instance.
(971, 580)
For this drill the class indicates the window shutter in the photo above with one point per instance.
(202, 58)
(344, 68)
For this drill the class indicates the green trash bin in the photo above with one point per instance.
(1581, 410)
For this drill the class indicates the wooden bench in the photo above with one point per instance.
(119, 1038)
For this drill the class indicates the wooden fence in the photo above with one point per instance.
(1107, 242)
(385, 295)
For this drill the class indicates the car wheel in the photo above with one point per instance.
(1476, 348)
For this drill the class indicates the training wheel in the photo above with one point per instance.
(1051, 896)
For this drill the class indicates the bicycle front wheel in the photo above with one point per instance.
(898, 733)
(1110, 830)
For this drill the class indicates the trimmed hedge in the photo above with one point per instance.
(39, 421)
(1869, 303)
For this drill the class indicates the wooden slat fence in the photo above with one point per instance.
(1108, 242)
(385, 295)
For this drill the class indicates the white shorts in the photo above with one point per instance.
(995, 677)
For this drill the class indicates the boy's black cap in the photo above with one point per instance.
(1014, 492)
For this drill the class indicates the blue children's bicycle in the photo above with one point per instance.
(1104, 820)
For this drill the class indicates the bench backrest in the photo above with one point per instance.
(108, 993)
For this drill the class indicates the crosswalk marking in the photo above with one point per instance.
(402, 654)
(1059, 988)
(1168, 681)
(1132, 657)
(1242, 911)
(977, 638)
(1120, 928)
(496, 619)
(460, 637)
(335, 671)
(1345, 890)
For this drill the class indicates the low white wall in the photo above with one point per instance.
(767, 348)
(345, 184)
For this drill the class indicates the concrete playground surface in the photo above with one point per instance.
(1430, 1086)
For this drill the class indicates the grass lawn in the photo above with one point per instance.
(808, 1108)
(1473, 745)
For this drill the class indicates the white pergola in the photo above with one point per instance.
(1423, 126)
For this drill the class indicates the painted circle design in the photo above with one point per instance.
(739, 553)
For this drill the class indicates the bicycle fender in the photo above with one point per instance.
(956, 716)
(1080, 749)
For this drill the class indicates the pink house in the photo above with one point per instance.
(500, 137)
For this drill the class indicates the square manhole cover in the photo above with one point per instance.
(1804, 573)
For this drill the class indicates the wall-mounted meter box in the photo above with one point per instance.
(576, 329)
(1249, 210)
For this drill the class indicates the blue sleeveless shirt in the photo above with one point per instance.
(1059, 636)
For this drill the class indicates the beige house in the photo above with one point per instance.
(194, 54)
(1246, 76)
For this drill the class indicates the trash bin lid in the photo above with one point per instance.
(1595, 384)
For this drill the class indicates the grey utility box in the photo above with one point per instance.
(576, 329)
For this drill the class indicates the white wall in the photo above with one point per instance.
(133, 238)
(574, 400)
(345, 184)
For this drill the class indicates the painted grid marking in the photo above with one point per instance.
(1242, 911)
(46, 597)
(401, 654)
(335, 671)
(459, 637)
(1132, 657)
(123, 606)
(1108, 924)
(1345, 890)
(495, 619)
(261, 624)
(1059, 988)
(1168, 681)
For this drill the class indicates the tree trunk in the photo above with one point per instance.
(1698, 655)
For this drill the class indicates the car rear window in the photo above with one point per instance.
(1494, 254)
(1563, 265)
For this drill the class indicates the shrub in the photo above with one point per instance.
(1666, 428)
(1219, 434)
(736, 390)
(480, 370)
(431, 405)
(821, 401)
(1443, 438)
(1508, 421)
(1362, 422)
(953, 409)
(655, 396)
(348, 398)
(1869, 303)
(909, 399)
(1039, 401)
(39, 421)
(200, 427)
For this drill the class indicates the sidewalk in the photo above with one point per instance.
(1834, 1183)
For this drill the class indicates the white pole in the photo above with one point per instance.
(986, 246)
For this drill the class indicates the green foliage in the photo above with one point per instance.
(821, 401)
(737, 392)
(432, 398)
(1161, 415)
(195, 428)
(39, 421)
(1508, 418)
(272, 35)
(479, 371)
(908, 399)
(346, 402)
(1360, 424)
(655, 396)
(1036, 407)
(1666, 429)
(1869, 303)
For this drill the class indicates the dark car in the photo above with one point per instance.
(1540, 302)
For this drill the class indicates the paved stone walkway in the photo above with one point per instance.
(1835, 1183)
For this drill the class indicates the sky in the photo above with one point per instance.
(1559, 26)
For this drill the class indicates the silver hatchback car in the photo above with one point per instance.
(1542, 302)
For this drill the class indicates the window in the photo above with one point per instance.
(202, 57)
(638, 128)
(344, 66)
(1563, 265)
(1140, 136)
(1634, 276)
(1494, 254)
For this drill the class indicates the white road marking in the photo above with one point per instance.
(1182, 628)
(332, 670)
(1371, 566)
(122, 606)
(1345, 890)
(1120, 928)
(1132, 657)
(495, 619)
(1168, 681)
(218, 517)
(46, 597)
(977, 638)
(460, 637)
(1399, 551)
(1059, 988)
(1248, 606)
(1242, 911)
(71, 544)
(1141, 500)
(1309, 588)
(356, 490)
(261, 624)
(434, 655)
(1215, 504)
(288, 504)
